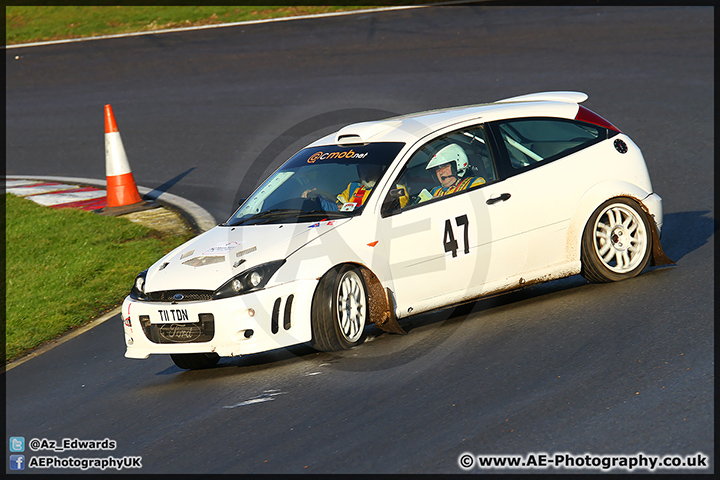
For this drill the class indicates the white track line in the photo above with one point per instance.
(219, 25)
(62, 339)
(35, 189)
(51, 199)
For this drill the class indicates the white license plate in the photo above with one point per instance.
(172, 315)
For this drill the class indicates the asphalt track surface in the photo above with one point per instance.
(569, 366)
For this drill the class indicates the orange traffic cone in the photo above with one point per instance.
(122, 192)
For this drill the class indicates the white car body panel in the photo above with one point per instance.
(533, 235)
(424, 276)
(254, 245)
(545, 192)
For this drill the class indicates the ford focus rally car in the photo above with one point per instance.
(391, 218)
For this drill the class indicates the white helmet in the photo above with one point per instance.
(447, 154)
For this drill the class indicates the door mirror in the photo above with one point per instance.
(391, 204)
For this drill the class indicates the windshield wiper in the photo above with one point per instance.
(326, 213)
(269, 214)
(275, 213)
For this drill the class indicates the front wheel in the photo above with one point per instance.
(195, 361)
(339, 309)
(617, 241)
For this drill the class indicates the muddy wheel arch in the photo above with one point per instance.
(380, 303)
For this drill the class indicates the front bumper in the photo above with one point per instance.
(267, 319)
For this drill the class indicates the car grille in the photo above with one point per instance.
(198, 332)
(179, 295)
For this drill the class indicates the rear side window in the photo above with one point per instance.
(534, 141)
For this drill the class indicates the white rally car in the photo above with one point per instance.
(386, 219)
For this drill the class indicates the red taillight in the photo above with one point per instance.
(586, 115)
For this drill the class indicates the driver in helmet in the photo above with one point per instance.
(356, 193)
(449, 166)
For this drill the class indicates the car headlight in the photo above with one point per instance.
(251, 279)
(138, 289)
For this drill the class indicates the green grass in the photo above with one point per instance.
(65, 267)
(26, 24)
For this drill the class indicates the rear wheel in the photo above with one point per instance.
(195, 361)
(617, 241)
(339, 309)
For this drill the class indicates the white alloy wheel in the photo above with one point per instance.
(617, 241)
(621, 239)
(339, 309)
(351, 306)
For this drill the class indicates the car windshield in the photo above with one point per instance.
(318, 183)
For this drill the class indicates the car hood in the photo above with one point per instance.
(212, 258)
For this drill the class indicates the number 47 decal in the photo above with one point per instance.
(449, 242)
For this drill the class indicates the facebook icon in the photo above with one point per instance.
(17, 462)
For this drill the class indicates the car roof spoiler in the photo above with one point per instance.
(567, 97)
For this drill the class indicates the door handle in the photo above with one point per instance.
(500, 198)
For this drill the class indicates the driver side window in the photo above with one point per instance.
(447, 165)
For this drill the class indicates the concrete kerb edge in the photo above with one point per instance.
(194, 213)
(200, 217)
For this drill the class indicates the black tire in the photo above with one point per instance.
(339, 309)
(616, 242)
(195, 361)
